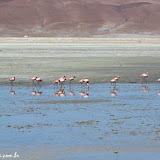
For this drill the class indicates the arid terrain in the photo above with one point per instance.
(97, 59)
(79, 18)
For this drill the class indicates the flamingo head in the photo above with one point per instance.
(84, 77)
(118, 77)
(73, 76)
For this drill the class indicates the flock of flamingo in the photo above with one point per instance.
(58, 81)
(61, 80)
(61, 92)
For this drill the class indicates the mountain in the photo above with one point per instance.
(79, 18)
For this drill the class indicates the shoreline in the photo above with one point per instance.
(60, 40)
(98, 59)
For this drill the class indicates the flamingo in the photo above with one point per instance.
(158, 80)
(62, 77)
(81, 81)
(114, 80)
(38, 80)
(56, 82)
(62, 80)
(12, 80)
(144, 76)
(86, 81)
(33, 79)
(71, 79)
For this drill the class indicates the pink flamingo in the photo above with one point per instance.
(12, 80)
(114, 80)
(86, 81)
(144, 76)
(62, 80)
(71, 79)
(62, 77)
(33, 79)
(158, 80)
(56, 82)
(38, 80)
(81, 81)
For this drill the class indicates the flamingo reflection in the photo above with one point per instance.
(38, 93)
(60, 93)
(145, 89)
(71, 93)
(12, 92)
(33, 92)
(114, 92)
(85, 93)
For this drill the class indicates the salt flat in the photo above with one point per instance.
(98, 59)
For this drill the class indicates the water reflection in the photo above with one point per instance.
(38, 93)
(145, 89)
(114, 92)
(84, 93)
(60, 93)
(12, 92)
(71, 93)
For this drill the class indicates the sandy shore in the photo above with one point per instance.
(98, 59)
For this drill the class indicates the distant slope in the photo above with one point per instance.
(79, 18)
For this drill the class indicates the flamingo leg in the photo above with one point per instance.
(33, 83)
(11, 83)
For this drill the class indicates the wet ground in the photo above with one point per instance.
(101, 123)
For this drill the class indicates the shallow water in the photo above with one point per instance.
(100, 123)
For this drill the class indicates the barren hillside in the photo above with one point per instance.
(79, 18)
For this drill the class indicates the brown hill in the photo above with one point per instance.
(79, 18)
